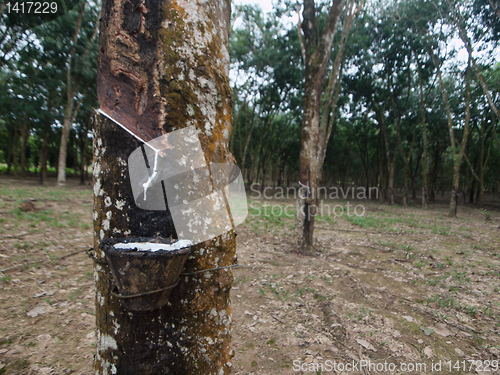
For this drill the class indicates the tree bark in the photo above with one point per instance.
(68, 112)
(423, 125)
(24, 142)
(44, 152)
(71, 112)
(14, 150)
(162, 67)
(391, 160)
(317, 49)
(457, 153)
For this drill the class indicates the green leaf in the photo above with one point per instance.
(427, 331)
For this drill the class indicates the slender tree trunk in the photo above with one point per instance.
(479, 76)
(10, 151)
(457, 154)
(331, 94)
(141, 62)
(391, 160)
(44, 151)
(316, 54)
(482, 166)
(247, 141)
(14, 150)
(68, 112)
(425, 154)
(435, 170)
(483, 163)
(83, 154)
(24, 143)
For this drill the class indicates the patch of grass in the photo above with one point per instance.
(432, 282)
(361, 313)
(461, 277)
(368, 221)
(440, 230)
(16, 366)
(469, 310)
(319, 297)
(443, 302)
(421, 264)
(326, 219)
(449, 302)
(52, 257)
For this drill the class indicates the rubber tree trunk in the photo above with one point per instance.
(24, 143)
(425, 143)
(162, 66)
(316, 50)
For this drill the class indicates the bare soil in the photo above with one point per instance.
(401, 286)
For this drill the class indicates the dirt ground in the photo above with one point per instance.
(396, 291)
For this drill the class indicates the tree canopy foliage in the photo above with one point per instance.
(398, 126)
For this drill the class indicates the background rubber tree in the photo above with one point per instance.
(162, 66)
(316, 35)
(79, 53)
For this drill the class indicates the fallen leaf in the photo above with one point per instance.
(428, 352)
(408, 318)
(36, 311)
(442, 330)
(365, 344)
(427, 331)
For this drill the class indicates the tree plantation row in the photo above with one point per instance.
(408, 103)
(397, 95)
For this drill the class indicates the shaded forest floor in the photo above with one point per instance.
(399, 285)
